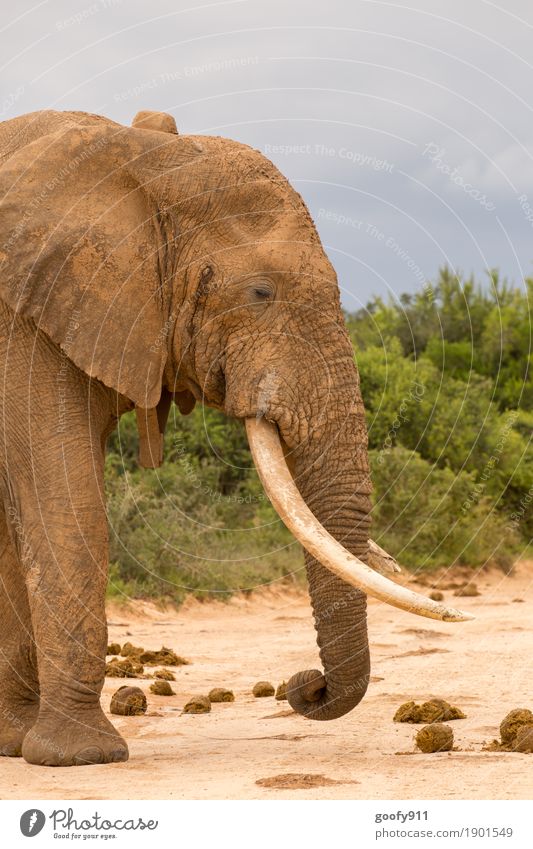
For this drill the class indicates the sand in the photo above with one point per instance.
(483, 667)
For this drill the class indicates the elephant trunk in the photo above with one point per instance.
(336, 490)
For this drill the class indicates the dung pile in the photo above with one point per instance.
(516, 733)
(198, 704)
(113, 648)
(128, 701)
(220, 694)
(127, 668)
(164, 675)
(467, 590)
(436, 710)
(524, 740)
(512, 723)
(162, 688)
(435, 738)
(263, 689)
(281, 692)
(436, 595)
(163, 657)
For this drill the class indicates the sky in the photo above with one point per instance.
(406, 127)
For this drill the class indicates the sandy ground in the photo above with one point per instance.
(484, 666)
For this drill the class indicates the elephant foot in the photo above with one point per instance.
(61, 740)
(16, 719)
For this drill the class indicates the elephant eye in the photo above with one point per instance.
(261, 291)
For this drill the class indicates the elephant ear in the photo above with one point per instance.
(80, 253)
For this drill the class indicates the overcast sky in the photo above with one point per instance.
(408, 129)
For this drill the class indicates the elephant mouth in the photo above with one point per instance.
(269, 459)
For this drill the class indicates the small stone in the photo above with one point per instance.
(128, 701)
(512, 722)
(436, 596)
(198, 704)
(220, 694)
(113, 648)
(263, 689)
(435, 738)
(518, 600)
(281, 692)
(523, 741)
(162, 688)
(164, 675)
(467, 590)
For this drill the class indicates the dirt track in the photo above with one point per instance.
(484, 666)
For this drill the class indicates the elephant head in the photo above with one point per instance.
(171, 265)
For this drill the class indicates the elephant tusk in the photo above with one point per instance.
(282, 492)
(381, 560)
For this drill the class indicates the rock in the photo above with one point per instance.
(523, 741)
(436, 710)
(162, 688)
(113, 648)
(512, 722)
(198, 704)
(164, 675)
(263, 689)
(436, 596)
(467, 590)
(281, 692)
(435, 738)
(220, 694)
(128, 701)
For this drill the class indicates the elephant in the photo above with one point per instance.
(141, 267)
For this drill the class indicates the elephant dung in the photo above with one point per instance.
(129, 650)
(162, 688)
(128, 701)
(281, 692)
(164, 675)
(198, 704)
(436, 710)
(113, 648)
(220, 694)
(523, 741)
(127, 668)
(467, 590)
(263, 689)
(435, 738)
(164, 657)
(510, 725)
(436, 596)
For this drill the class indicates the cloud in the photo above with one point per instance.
(348, 85)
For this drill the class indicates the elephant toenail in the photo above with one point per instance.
(118, 755)
(90, 755)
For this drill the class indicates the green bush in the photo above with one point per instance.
(184, 529)
(430, 516)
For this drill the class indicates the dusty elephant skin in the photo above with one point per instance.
(137, 266)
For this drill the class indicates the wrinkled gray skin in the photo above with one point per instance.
(136, 261)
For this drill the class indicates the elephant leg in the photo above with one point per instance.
(65, 560)
(19, 688)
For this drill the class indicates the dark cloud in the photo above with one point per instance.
(408, 132)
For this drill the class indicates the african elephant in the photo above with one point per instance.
(140, 266)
